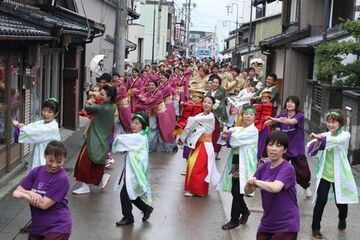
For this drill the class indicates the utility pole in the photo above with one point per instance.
(250, 33)
(234, 59)
(119, 36)
(158, 30)
(188, 4)
(153, 40)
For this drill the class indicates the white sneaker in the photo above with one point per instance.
(109, 160)
(308, 193)
(104, 181)
(84, 189)
(188, 194)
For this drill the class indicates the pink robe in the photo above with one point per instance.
(134, 87)
(168, 92)
(155, 76)
(182, 88)
(123, 106)
(152, 102)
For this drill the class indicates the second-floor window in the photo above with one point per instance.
(340, 9)
(260, 11)
(293, 11)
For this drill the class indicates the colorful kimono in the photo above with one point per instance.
(182, 88)
(220, 114)
(135, 171)
(39, 133)
(134, 88)
(263, 111)
(244, 142)
(168, 92)
(345, 186)
(189, 109)
(90, 164)
(201, 168)
(123, 106)
(154, 76)
(159, 120)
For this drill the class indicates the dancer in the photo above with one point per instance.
(135, 185)
(152, 102)
(241, 165)
(201, 169)
(291, 121)
(40, 133)
(123, 103)
(276, 180)
(333, 169)
(90, 165)
(218, 92)
(263, 112)
(45, 189)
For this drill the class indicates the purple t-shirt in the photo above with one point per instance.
(281, 212)
(295, 133)
(57, 218)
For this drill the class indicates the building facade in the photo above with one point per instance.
(158, 19)
(41, 55)
(242, 42)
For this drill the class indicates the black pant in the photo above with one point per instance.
(126, 204)
(321, 200)
(302, 170)
(238, 205)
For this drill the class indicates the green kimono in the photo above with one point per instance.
(219, 106)
(99, 132)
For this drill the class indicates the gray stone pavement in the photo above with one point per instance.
(174, 217)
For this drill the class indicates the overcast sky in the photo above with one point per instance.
(211, 15)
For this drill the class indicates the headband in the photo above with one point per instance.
(336, 114)
(249, 110)
(52, 99)
(141, 117)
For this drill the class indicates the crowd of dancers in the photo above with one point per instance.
(198, 107)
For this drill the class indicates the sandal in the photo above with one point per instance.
(317, 234)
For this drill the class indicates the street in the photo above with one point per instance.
(174, 216)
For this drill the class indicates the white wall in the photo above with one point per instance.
(102, 13)
(279, 63)
(135, 31)
(147, 18)
(244, 10)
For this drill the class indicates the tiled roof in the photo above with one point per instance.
(47, 20)
(317, 39)
(14, 26)
(285, 37)
(20, 20)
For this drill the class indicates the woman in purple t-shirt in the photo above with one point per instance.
(45, 188)
(276, 179)
(291, 122)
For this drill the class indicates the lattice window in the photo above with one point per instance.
(317, 97)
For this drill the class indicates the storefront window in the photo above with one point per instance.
(14, 93)
(2, 102)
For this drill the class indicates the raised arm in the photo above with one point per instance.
(33, 198)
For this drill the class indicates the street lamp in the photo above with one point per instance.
(237, 25)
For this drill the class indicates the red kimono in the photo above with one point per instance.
(189, 109)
